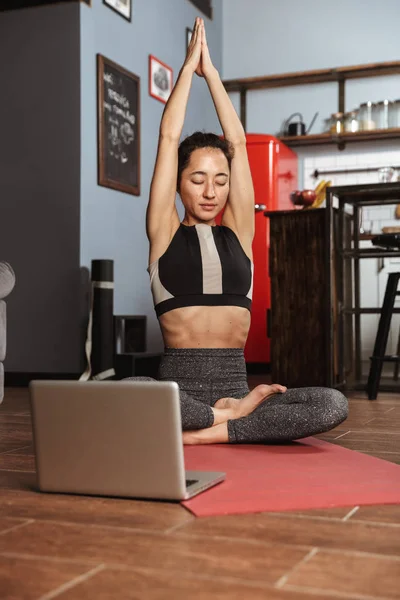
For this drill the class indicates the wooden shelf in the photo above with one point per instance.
(317, 76)
(339, 75)
(328, 138)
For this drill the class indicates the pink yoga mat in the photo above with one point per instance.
(306, 474)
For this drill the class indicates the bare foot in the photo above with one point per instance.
(246, 405)
(212, 435)
(188, 438)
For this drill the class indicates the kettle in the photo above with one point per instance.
(298, 127)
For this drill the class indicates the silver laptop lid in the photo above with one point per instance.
(117, 438)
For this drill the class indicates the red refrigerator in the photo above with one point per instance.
(274, 169)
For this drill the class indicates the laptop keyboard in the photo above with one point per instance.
(190, 482)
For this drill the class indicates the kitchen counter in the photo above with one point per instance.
(351, 200)
(315, 320)
(367, 193)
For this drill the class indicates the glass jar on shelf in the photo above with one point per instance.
(380, 114)
(351, 123)
(365, 118)
(337, 123)
(394, 113)
(385, 174)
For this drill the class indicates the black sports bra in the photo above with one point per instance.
(204, 265)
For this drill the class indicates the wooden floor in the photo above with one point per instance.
(78, 548)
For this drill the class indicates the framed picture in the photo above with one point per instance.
(122, 7)
(160, 79)
(188, 37)
(118, 113)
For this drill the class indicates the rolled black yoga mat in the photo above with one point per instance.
(100, 338)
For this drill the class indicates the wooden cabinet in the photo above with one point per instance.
(315, 319)
(304, 300)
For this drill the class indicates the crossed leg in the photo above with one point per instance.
(291, 415)
(232, 409)
(197, 415)
(267, 414)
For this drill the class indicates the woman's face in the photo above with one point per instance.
(204, 186)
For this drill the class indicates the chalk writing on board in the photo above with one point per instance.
(118, 127)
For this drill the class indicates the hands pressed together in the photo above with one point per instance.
(198, 56)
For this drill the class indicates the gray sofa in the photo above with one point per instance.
(7, 282)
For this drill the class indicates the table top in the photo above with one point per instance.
(367, 193)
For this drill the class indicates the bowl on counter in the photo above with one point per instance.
(303, 197)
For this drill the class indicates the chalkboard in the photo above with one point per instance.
(118, 127)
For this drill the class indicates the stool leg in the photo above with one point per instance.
(382, 335)
(397, 365)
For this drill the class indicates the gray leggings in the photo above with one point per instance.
(205, 375)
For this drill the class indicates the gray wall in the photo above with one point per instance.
(113, 223)
(39, 185)
(54, 218)
(280, 37)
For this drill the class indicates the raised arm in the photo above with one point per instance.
(161, 209)
(239, 211)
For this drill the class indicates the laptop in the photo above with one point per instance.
(112, 438)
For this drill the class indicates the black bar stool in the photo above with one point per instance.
(381, 339)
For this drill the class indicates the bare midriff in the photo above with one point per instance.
(205, 327)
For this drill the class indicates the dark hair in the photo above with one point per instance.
(199, 139)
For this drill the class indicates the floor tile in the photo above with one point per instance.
(15, 432)
(91, 510)
(8, 523)
(315, 532)
(393, 457)
(364, 411)
(387, 424)
(337, 513)
(251, 554)
(28, 449)
(389, 513)
(15, 402)
(11, 418)
(17, 462)
(30, 579)
(383, 397)
(12, 444)
(333, 434)
(112, 584)
(347, 573)
(367, 445)
(374, 436)
(208, 556)
(21, 481)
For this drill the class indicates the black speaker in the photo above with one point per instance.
(102, 319)
(129, 333)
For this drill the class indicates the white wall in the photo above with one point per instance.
(263, 37)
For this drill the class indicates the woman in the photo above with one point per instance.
(201, 279)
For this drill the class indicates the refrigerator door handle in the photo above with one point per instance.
(260, 207)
